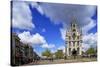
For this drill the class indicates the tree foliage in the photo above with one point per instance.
(47, 53)
(59, 54)
(91, 51)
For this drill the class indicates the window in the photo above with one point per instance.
(69, 51)
(77, 37)
(73, 36)
(69, 37)
(78, 50)
(69, 44)
(73, 25)
(73, 43)
(74, 30)
(78, 43)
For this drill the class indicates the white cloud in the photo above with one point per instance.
(89, 26)
(85, 46)
(48, 45)
(62, 48)
(26, 37)
(38, 7)
(63, 33)
(34, 39)
(89, 40)
(83, 14)
(63, 13)
(53, 50)
(21, 15)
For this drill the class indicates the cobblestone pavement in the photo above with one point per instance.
(42, 62)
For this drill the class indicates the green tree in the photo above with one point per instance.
(59, 54)
(91, 51)
(47, 53)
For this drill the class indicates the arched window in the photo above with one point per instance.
(69, 44)
(74, 52)
(77, 37)
(73, 43)
(73, 25)
(74, 30)
(73, 36)
(69, 37)
(78, 50)
(78, 43)
(69, 51)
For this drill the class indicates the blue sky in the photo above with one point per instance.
(43, 25)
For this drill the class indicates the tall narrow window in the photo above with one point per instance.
(69, 37)
(73, 43)
(78, 43)
(77, 37)
(78, 50)
(73, 25)
(69, 44)
(73, 36)
(69, 51)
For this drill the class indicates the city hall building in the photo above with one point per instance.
(73, 40)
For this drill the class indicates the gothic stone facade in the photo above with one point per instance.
(73, 40)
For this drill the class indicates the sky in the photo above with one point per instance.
(43, 25)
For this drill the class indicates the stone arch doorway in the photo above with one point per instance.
(74, 53)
